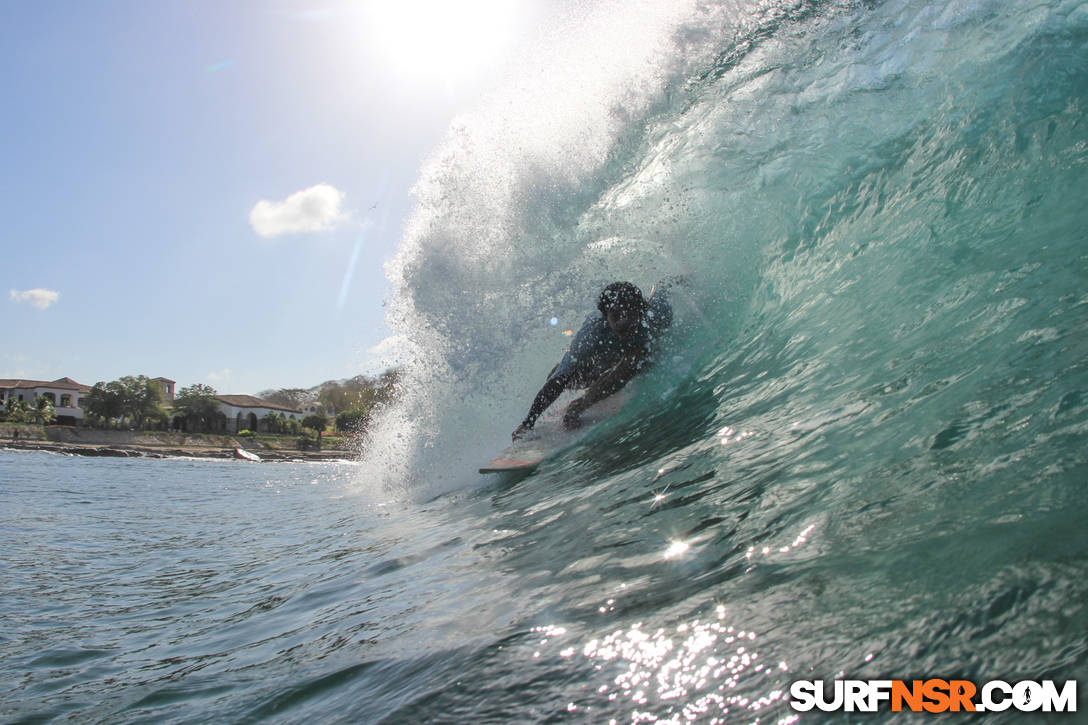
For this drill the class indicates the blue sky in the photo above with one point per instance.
(185, 183)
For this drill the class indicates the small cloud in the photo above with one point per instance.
(311, 210)
(40, 298)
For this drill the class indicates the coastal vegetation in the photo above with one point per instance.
(278, 423)
(359, 395)
(135, 403)
(352, 421)
(348, 404)
(131, 401)
(41, 411)
(129, 416)
(196, 406)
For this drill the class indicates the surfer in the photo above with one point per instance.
(610, 349)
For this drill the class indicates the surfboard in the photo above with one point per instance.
(526, 460)
(246, 455)
(549, 436)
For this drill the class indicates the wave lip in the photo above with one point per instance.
(848, 188)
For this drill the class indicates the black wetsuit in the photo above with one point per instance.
(596, 351)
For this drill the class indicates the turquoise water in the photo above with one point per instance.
(863, 451)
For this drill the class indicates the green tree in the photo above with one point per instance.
(275, 422)
(358, 392)
(142, 399)
(159, 418)
(133, 397)
(18, 411)
(316, 423)
(331, 397)
(105, 402)
(353, 421)
(197, 405)
(44, 412)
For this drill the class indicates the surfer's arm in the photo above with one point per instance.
(612, 381)
(547, 395)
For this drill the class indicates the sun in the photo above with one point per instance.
(448, 42)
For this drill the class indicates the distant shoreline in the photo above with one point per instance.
(63, 440)
(93, 450)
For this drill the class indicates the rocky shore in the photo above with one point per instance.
(128, 444)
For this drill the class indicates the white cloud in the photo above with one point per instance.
(40, 298)
(311, 210)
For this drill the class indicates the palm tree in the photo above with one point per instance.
(44, 410)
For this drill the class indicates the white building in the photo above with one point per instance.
(244, 412)
(65, 394)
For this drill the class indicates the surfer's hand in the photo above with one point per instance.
(573, 417)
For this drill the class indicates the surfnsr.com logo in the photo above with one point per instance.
(934, 695)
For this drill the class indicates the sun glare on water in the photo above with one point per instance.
(448, 43)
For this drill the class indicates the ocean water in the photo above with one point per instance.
(862, 451)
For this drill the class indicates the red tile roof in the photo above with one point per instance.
(59, 384)
(249, 401)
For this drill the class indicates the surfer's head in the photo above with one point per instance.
(623, 306)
